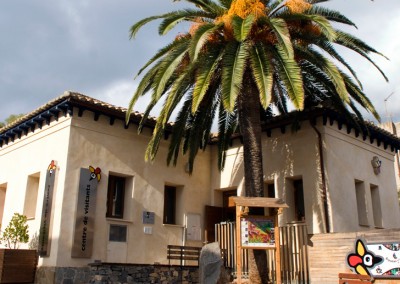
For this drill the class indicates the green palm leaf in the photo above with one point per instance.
(172, 19)
(234, 63)
(205, 74)
(282, 33)
(167, 68)
(289, 73)
(262, 72)
(200, 38)
(136, 27)
(242, 27)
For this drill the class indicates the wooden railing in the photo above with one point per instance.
(293, 242)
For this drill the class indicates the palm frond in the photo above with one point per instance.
(332, 71)
(167, 68)
(163, 52)
(179, 129)
(282, 34)
(204, 76)
(200, 38)
(262, 72)
(330, 15)
(289, 73)
(359, 47)
(242, 27)
(227, 125)
(358, 95)
(226, 3)
(328, 47)
(137, 26)
(172, 19)
(234, 63)
(143, 87)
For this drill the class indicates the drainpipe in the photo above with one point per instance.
(323, 178)
(397, 152)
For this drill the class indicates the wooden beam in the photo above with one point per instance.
(238, 247)
(259, 202)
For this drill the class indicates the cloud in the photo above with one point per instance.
(49, 47)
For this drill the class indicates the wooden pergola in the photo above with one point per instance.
(242, 204)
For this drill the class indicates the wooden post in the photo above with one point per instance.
(277, 251)
(238, 247)
(257, 202)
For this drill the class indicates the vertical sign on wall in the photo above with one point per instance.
(85, 213)
(44, 232)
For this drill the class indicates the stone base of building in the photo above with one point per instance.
(108, 273)
(64, 275)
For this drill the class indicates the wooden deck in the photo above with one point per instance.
(327, 253)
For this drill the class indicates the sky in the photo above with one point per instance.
(48, 47)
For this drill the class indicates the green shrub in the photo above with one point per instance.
(16, 232)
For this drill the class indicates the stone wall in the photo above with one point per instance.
(109, 273)
(63, 275)
(119, 273)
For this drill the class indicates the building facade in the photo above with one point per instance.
(77, 171)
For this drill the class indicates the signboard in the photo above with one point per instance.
(193, 227)
(85, 213)
(379, 260)
(257, 232)
(148, 217)
(390, 254)
(44, 232)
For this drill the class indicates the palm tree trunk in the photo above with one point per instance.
(250, 128)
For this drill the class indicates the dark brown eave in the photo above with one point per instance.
(69, 103)
(293, 120)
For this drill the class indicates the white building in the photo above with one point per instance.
(323, 171)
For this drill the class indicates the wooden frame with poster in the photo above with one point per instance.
(241, 204)
(257, 232)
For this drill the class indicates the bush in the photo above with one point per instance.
(16, 232)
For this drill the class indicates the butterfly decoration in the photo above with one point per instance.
(52, 167)
(362, 260)
(95, 173)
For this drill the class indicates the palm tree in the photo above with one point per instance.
(237, 59)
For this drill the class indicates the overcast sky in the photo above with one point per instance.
(48, 47)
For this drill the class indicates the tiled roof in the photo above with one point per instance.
(75, 99)
(68, 100)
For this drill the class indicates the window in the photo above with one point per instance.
(3, 190)
(115, 197)
(269, 191)
(294, 195)
(228, 210)
(117, 233)
(169, 204)
(376, 206)
(299, 200)
(32, 188)
(361, 203)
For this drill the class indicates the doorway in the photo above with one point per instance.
(226, 212)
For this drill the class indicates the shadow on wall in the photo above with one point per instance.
(237, 174)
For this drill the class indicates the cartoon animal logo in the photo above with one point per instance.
(363, 260)
(52, 167)
(95, 173)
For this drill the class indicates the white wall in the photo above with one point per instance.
(121, 151)
(29, 155)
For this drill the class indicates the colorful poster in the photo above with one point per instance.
(379, 260)
(390, 266)
(257, 232)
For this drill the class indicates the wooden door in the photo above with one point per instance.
(213, 215)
